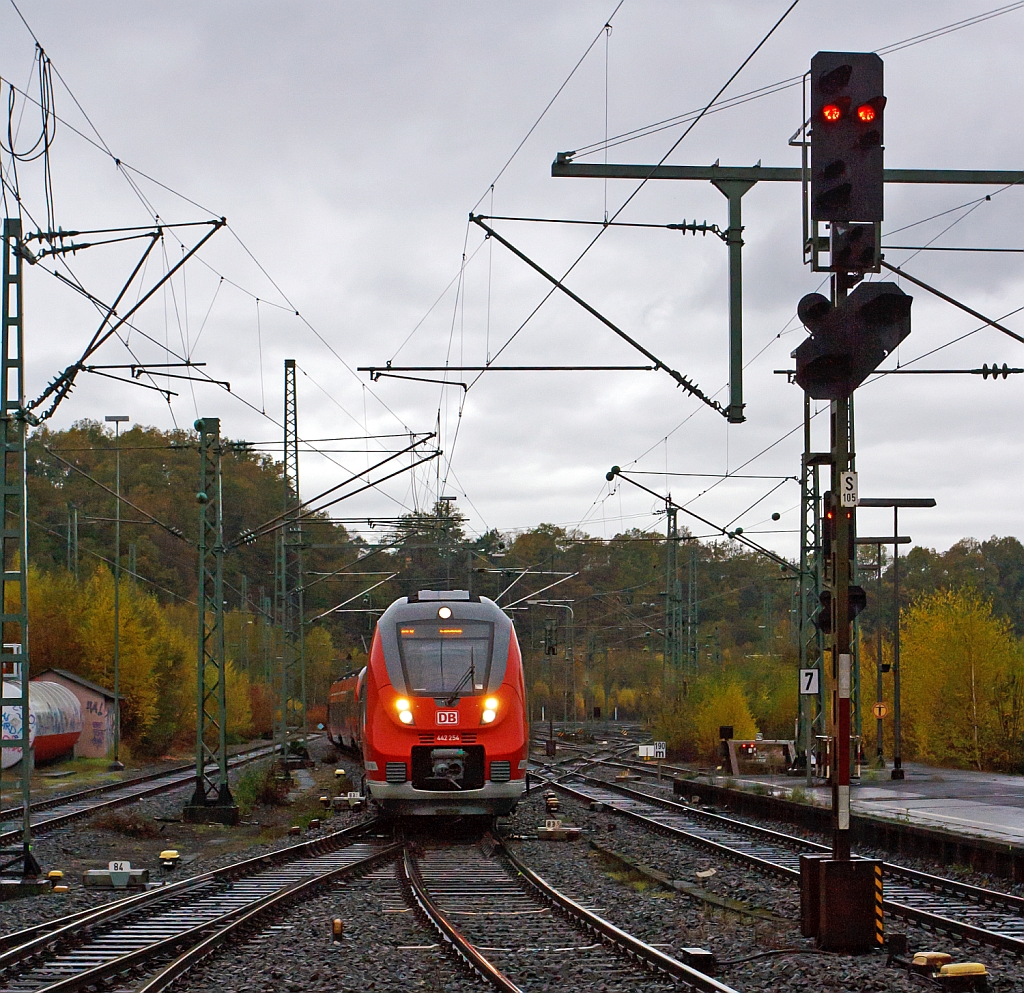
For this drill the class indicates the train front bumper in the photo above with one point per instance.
(405, 799)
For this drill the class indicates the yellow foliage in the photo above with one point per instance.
(237, 703)
(626, 699)
(320, 658)
(961, 674)
(141, 639)
(723, 704)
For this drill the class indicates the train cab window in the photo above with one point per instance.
(447, 658)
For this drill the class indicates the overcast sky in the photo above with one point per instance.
(346, 144)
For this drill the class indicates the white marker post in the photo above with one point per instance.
(660, 749)
(809, 687)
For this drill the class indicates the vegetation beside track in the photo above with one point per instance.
(963, 607)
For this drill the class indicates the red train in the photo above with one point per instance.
(440, 711)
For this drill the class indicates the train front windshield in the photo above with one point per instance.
(447, 658)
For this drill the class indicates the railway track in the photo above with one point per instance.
(135, 936)
(986, 916)
(57, 811)
(518, 932)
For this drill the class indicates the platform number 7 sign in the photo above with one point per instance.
(808, 682)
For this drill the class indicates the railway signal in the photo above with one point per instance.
(849, 336)
(850, 340)
(857, 599)
(847, 113)
(550, 636)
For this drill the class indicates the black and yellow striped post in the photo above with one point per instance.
(879, 918)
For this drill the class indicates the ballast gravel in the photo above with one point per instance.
(81, 845)
(675, 921)
(385, 948)
(961, 873)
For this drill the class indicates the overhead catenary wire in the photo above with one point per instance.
(619, 211)
(170, 529)
(110, 562)
(579, 258)
(550, 103)
(125, 169)
(789, 82)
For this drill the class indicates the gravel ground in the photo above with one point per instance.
(961, 873)
(84, 845)
(677, 921)
(385, 948)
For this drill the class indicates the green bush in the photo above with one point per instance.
(258, 784)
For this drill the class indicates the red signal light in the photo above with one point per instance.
(866, 113)
(831, 112)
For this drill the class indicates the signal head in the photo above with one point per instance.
(813, 308)
(846, 137)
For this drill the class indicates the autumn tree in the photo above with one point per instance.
(961, 681)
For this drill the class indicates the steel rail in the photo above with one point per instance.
(938, 884)
(630, 944)
(925, 884)
(53, 934)
(10, 813)
(773, 868)
(461, 945)
(208, 945)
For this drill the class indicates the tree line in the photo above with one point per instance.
(589, 612)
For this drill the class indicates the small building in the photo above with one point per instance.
(97, 738)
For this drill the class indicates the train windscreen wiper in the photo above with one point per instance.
(468, 676)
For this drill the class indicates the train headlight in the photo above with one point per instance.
(444, 613)
(488, 716)
(491, 703)
(405, 716)
(404, 710)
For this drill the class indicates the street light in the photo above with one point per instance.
(117, 420)
(897, 728)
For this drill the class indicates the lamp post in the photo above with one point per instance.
(897, 727)
(117, 420)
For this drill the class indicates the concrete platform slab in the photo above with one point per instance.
(984, 804)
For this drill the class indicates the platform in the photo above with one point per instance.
(987, 804)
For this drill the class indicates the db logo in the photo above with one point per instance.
(447, 717)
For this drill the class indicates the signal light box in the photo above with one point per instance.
(847, 114)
